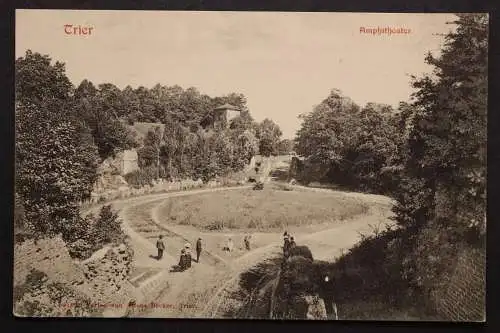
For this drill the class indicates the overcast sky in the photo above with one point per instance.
(284, 63)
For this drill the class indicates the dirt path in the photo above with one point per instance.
(201, 291)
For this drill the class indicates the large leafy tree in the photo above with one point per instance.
(353, 143)
(55, 157)
(285, 146)
(322, 134)
(447, 142)
(269, 134)
(100, 108)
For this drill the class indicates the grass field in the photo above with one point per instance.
(274, 208)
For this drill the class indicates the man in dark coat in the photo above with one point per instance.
(247, 242)
(198, 249)
(160, 246)
(286, 246)
(292, 243)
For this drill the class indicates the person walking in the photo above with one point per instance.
(198, 249)
(160, 246)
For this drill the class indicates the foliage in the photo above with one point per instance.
(355, 144)
(93, 233)
(37, 80)
(107, 228)
(431, 154)
(149, 154)
(447, 141)
(440, 170)
(141, 177)
(285, 147)
(99, 108)
(55, 158)
(268, 133)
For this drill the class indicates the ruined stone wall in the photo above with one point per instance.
(464, 297)
(107, 281)
(100, 280)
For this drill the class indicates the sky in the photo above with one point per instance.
(285, 63)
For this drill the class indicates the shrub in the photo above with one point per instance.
(81, 249)
(258, 186)
(92, 233)
(215, 225)
(142, 177)
(107, 228)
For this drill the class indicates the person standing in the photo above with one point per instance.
(198, 249)
(160, 246)
(292, 243)
(286, 246)
(230, 245)
(247, 242)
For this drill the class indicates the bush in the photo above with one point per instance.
(80, 249)
(258, 186)
(142, 177)
(107, 228)
(371, 269)
(93, 233)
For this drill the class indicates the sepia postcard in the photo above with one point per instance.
(250, 165)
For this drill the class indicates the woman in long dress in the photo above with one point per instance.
(230, 245)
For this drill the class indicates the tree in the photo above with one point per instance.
(285, 147)
(355, 144)
(246, 146)
(99, 110)
(223, 148)
(447, 140)
(268, 133)
(149, 154)
(37, 80)
(56, 160)
(55, 168)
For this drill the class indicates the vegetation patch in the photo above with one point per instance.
(265, 210)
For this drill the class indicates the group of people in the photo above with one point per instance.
(288, 244)
(229, 247)
(185, 256)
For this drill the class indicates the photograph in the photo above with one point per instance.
(271, 165)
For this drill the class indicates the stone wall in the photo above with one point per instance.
(464, 297)
(102, 280)
(160, 186)
(107, 280)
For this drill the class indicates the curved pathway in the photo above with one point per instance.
(203, 290)
(200, 291)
